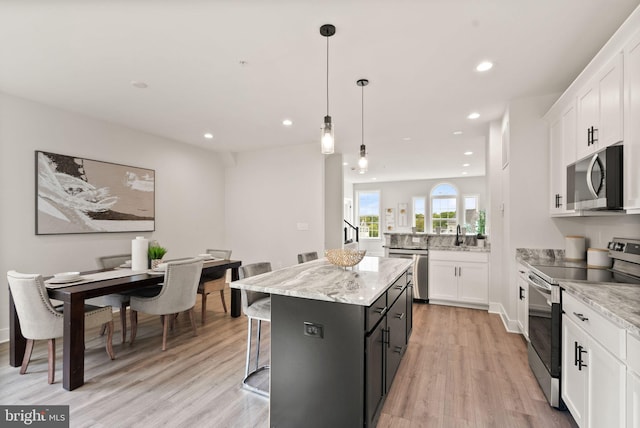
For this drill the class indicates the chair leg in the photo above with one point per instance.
(224, 304)
(27, 356)
(165, 325)
(258, 344)
(110, 340)
(204, 308)
(52, 360)
(192, 318)
(134, 325)
(123, 321)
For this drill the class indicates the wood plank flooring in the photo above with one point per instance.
(461, 370)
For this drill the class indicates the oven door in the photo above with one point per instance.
(544, 323)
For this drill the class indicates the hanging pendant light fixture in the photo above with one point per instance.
(363, 162)
(327, 137)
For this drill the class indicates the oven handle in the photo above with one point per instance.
(543, 288)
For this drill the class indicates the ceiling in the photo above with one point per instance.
(238, 68)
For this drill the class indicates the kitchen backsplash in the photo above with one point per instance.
(423, 240)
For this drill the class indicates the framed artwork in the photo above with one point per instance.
(389, 219)
(403, 215)
(77, 195)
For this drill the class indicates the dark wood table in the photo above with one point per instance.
(74, 296)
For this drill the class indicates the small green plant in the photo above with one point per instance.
(156, 252)
(482, 218)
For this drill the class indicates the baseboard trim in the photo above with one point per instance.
(510, 325)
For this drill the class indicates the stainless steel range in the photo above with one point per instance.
(545, 309)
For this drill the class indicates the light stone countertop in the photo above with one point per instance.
(468, 248)
(320, 280)
(620, 303)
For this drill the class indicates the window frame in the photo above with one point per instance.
(472, 226)
(358, 215)
(432, 197)
(414, 199)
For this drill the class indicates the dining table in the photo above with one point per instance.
(73, 296)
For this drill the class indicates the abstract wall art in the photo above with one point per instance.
(77, 195)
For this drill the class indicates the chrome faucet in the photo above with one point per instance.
(458, 237)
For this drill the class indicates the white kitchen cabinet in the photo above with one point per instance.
(632, 124)
(459, 277)
(523, 300)
(633, 381)
(593, 375)
(562, 152)
(600, 110)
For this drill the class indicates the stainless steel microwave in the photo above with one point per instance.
(595, 183)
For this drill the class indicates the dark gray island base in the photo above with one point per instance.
(333, 362)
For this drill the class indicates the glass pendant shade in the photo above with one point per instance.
(363, 163)
(326, 139)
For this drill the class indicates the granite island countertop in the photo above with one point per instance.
(320, 280)
(620, 303)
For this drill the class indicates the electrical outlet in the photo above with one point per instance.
(313, 330)
(415, 240)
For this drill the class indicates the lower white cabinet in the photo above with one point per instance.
(522, 290)
(459, 277)
(593, 377)
(633, 381)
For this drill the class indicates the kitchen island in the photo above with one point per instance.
(337, 338)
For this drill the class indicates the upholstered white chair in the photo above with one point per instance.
(115, 300)
(178, 294)
(307, 257)
(256, 306)
(214, 282)
(40, 320)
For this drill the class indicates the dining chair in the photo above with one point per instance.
(177, 294)
(216, 281)
(40, 320)
(115, 300)
(307, 257)
(255, 305)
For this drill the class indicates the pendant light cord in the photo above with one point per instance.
(327, 76)
(363, 114)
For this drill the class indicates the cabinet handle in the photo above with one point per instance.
(459, 270)
(593, 135)
(581, 317)
(381, 310)
(398, 349)
(589, 136)
(575, 353)
(580, 352)
(521, 293)
(387, 334)
(400, 316)
(398, 287)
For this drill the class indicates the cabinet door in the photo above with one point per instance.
(633, 400)
(397, 337)
(523, 304)
(574, 376)
(569, 137)
(375, 373)
(473, 282)
(632, 124)
(606, 392)
(443, 282)
(557, 168)
(610, 103)
(587, 118)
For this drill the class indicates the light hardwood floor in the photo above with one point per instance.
(461, 370)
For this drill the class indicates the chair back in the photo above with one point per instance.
(220, 254)
(37, 316)
(180, 287)
(110, 262)
(307, 257)
(248, 297)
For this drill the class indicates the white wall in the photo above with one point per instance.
(189, 190)
(495, 219)
(269, 193)
(333, 201)
(393, 193)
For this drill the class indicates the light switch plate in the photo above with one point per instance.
(312, 329)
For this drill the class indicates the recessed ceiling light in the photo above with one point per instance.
(473, 115)
(406, 139)
(208, 136)
(138, 84)
(484, 66)
(468, 153)
(464, 172)
(457, 132)
(287, 122)
(345, 163)
(466, 164)
(373, 178)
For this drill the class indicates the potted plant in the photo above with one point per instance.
(156, 253)
(482, 218)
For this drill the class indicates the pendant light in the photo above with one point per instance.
(363, 163)
(327, 137)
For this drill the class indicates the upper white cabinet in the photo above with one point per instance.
(562, 152)
(632, 124)
(600, 109)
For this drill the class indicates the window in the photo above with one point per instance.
(470, 212)
(369, 213)
(419, 212)
(444, 211)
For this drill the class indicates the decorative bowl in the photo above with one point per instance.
(344, 257)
